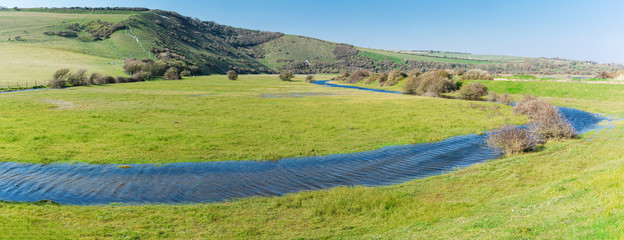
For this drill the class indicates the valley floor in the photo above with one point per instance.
(567, 190)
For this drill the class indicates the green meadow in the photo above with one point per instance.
(213, 119)
(567, 190)
(33, 59)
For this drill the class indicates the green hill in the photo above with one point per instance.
(36, 42)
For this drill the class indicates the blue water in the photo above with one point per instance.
(326, 83)
(23, 90)
(86, 184)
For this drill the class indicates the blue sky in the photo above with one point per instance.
(584, 30)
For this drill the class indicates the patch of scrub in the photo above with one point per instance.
(60, 104)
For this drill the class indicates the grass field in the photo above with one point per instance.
(564, 191)
(211, 118)
(604, 98)
(24, 65)
(394, 56)
(37, 56)
(469, 56)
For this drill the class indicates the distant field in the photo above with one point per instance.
(211, 118)
(23, 65)
(398, 57)
(37, 56)
(470, 56)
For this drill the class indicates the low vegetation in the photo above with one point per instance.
(286, 76)
(546, 123)
(472, 91)
(476, 74)
(511, 140)
(504, 98)
(232, 75)
(433, 83)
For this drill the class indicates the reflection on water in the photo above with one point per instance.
(218, 181)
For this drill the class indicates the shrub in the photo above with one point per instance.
(57, 83)
(121, 79)
(344, 76)
(432, 83)
(410, 85)
(185, 73)
(393, 78)
(373, 77)
(383, 77)
(505, 98)
(286, 75)
(606, 75)
(310, 78)
(172, 74)
(91, 80)
(357, 76)
(105, 80)
(78, 78)
(546, 121)
(142, 76)
(61, 74)
(476, 74)
(232, 75)
(472, 91)
(511, 140)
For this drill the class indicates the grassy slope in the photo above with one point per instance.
(296, 48)
(210, 118)
(568, 190)
(39, 55)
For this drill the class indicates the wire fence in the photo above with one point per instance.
(21, 84)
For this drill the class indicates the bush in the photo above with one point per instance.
(105, 80)
(432, 83)
(383, 77)
(286, 75)
(505, 98)
(373, 77)
(78, 78)
(310, 78)
(344, 76)
(472, 91)
(121, 79)
(172, 74)
(411, 85)
(476, 74)
(232, 75)
(357, 76)
(91, 80)
(142, 76)
(393, 78)
(511, 140)
(57, 83)
(185, 73)
(546, 121)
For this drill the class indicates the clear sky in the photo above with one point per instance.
(583, 30)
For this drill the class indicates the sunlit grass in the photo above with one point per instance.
(211, 118)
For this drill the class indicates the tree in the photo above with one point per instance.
(286, 75)
(172, 74)
(232, 75)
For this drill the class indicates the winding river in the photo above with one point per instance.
(87, 184)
